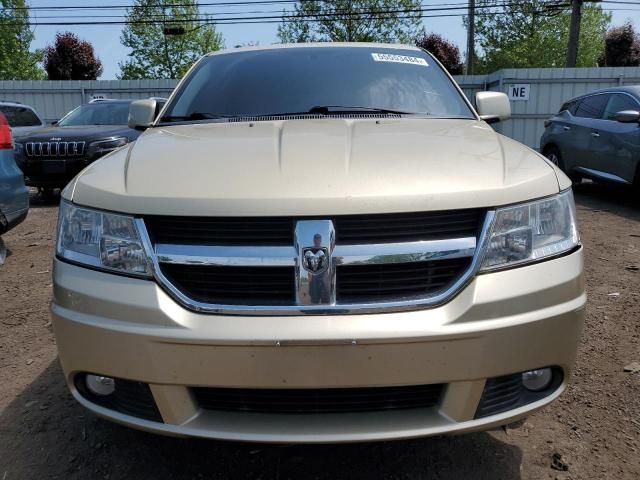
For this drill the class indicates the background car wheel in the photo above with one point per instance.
(554, 156)
(45, 193)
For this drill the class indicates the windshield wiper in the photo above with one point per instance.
(338, 109)
(325, 109)
(193, 116)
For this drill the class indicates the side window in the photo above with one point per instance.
(10, 114)
(617, 103)
(570, 107)
(25, 117)
(593, 106)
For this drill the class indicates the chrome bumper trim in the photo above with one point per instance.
(343, 254)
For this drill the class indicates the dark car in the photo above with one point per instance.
(51, 157)
(597, 136)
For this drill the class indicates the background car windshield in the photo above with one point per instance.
(97, 114)
(288, 80)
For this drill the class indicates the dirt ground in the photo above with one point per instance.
(594, 428)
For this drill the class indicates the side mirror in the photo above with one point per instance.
(627, 116)
(493, 106)
(142, 113)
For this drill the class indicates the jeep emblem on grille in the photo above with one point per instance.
(315, 259)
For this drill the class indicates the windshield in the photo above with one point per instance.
(317, 80)
(106, 113)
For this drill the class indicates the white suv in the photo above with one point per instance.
(318, 243)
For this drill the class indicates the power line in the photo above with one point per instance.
(204, 4)
(280, 17)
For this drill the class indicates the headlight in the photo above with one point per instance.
(531, 231)
(102, 147)
(103, 240)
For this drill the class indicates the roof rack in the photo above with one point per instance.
(10, 101)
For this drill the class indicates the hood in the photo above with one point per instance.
(315, 167)
(80, 132)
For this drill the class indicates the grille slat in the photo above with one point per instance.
(407, 227)
(234, 285)
(350, 229)
(355, 283)
(55, 149)
(309, 401)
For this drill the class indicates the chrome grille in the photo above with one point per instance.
(54, 149)
(301, 266)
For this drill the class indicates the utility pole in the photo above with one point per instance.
(471, 26)
(574, 33)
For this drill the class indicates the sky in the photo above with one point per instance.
(106, 38)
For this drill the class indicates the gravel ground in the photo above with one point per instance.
(593, 431)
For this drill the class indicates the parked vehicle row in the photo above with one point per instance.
(49, 157)
(52, 156)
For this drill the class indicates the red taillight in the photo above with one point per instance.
(5, 134)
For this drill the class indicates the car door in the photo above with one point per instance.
(585, 125)
(616, 145)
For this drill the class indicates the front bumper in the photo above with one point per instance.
(51, 173)
(501, 323)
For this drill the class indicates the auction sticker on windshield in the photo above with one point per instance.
(390, 57)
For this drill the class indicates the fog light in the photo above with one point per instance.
(536, 380)
(101, 386)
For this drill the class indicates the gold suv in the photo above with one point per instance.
(318, 243)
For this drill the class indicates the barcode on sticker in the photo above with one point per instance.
(391, 57)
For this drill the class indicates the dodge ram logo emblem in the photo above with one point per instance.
(315, 259)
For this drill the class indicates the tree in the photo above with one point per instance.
(71, 59)
(622, 47)
(535, 33)
(444, 50)
(351, 21)
(158, 53)
(17, 62)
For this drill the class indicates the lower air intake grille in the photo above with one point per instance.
(500, 394)
(234, 285)
(311, 401)
(129, 397)
(384, 281)
(135, 399)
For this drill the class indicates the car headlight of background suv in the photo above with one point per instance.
(531, 231)
(102, 147)
(101, 240)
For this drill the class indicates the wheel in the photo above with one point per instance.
(555, 157)
(46, 193)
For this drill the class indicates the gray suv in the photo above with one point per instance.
(597, 136)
